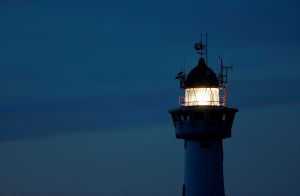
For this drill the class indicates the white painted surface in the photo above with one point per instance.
(204, 168)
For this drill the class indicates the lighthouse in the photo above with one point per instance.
(203, 119)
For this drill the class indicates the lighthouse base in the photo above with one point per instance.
(203, 169)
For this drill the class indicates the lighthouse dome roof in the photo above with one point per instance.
(201, 76)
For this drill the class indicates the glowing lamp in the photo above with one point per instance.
(202, 96)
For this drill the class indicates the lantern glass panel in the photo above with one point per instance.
(202, 96)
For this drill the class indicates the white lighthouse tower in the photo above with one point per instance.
(203, 119)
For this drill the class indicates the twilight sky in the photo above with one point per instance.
(86, 85)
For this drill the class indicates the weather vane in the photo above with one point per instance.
(201, 48)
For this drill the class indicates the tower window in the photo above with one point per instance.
(214, 115)
(223, 117)
(199, 115)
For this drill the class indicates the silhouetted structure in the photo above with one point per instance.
(203, 120)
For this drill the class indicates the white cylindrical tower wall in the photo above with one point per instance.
(203, 168)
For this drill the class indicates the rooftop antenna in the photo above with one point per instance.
(181, 76)
(201, 47)
(223, 76)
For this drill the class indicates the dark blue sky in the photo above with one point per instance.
(86, 85)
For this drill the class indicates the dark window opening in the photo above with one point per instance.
(214, 115)
(199, 115)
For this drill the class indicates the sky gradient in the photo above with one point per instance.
(86, 85)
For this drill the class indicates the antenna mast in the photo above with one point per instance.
(223, 76)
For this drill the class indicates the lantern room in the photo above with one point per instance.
(201, 87)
